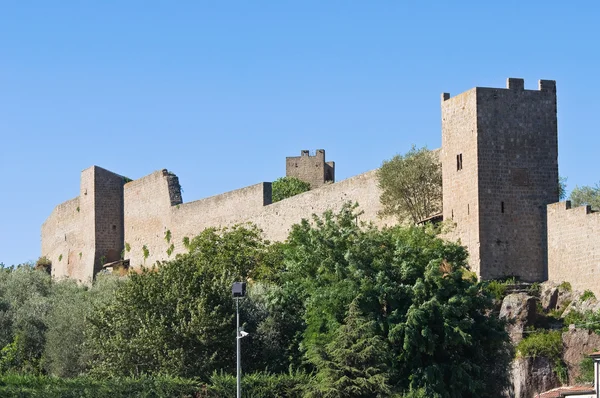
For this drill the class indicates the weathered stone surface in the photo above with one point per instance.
(578, 343)
(573, 251)
(500, 170)
(519, 309)
(576, 304)
(549, 295)
(532, 376)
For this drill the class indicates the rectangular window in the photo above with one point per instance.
(502, 207)
(459, 162)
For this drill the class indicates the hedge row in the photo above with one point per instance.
(221, 385)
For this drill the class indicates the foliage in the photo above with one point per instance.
(535, 289)
(586, 195)
(546, 343)
(566, 286)
(589, 320)
(562, 188)
(354, 362)
(24, 306)
(66, 352)
(353, 310)
(411, 185)
(146, 252)
(436, 324)
(496, 288)
(286, 187)
(260, 385)
(178, 318)
(586, 369)
(44, 264)
(587, 294)
(28, 386)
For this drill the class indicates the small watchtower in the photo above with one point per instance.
(500, 170)
(310, 168)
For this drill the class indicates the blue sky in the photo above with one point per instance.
(221, 92)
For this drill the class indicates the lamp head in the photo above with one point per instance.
(239, 289)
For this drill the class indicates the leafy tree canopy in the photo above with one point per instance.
(286, 187)
(411, 185)
(586, 195)
(409, 294)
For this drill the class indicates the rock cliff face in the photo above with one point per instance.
(531, 376)
(519, 310)
(546, 309)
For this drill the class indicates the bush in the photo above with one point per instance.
(565, 286)
(286, 187)
(586, 369)
(84, 387)
(497, 289)
(588, 294)
(541, 343)
(259, 385)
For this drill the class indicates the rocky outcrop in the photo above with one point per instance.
(578, 343)
(519, 310)
(531, 376)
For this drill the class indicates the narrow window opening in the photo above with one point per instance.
(502, 207)
(468, 210)
(452, 216)
(459, 162)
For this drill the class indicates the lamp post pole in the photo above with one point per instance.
(237, 341)
(238, 291)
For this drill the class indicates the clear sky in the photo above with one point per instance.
(221, 92)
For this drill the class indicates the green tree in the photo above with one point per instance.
(562, 188)
(179, 318)
(586, 195)
(411, 185)
(66, 352)
(436, 319)
(354, 363)
(24, 305)
(286, 187)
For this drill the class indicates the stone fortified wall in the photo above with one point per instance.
(86, 231)
(573, 250)
(499, 162)
(155, 228)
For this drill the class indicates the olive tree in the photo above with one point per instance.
(411, 185)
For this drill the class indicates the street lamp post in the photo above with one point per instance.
(239, 291)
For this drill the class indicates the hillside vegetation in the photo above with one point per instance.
(338, 310)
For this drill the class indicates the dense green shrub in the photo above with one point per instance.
(260, 385)
(84, 387)
(586, 369)
(286, 187)
(547, 343)
(588, 294)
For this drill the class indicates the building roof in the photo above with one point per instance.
(566, 391)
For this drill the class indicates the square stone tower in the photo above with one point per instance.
(500, 170)
(312, 169)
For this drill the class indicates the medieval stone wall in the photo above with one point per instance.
(573, 250)
(499, 164)
(85, 231)
(152, 222)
